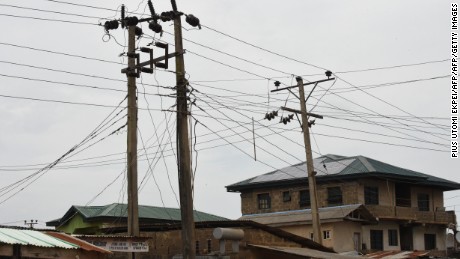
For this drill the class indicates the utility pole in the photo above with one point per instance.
(310, 168)
(133, 209)
(31, 223)
(308, 153)
(135, 67)
(185, 179)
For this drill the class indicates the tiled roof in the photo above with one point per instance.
(117, 210)
(341, 167)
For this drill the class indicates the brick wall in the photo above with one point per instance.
(352, 193)
(166, 244)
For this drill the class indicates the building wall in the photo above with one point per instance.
(343, 236)
(352, 193)
(76, 225)
(419, 236)
(386, 191)
(385, 226)
(165, 244)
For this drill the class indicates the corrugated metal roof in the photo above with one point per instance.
(303, 252)
(81, 243)
(31, 237)
(397, 254)
(339, 166)
(117, 210)
(296, 216)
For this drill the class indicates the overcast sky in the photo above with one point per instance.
(51, 102)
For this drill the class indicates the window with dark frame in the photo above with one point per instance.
(286, 196)
(376, 239)
(304, 198)
(371, 195)
(264, 201)
(430, 241)
(392, 237)
(197, 247)
(326, 234)
(209, 245)
(334, 196)
(403, 195)
(423, 202)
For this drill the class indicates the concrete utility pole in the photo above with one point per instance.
(185, 179)
(133, 209)
(310, 168)
(306, 137)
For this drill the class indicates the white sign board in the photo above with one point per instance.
(121, 246)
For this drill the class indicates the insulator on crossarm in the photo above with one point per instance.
(267, 116)
(111, 25)
(154, 26)
(193, 21)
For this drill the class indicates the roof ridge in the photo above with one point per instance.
(366, 163)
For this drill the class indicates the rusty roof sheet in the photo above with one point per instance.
(31, 237)
(303, 252)
(81, 243)
(397, 254)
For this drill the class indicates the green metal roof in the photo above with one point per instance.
(117, 210)
(33, 238)
(334, 167)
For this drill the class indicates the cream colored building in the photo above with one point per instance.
(365, 205)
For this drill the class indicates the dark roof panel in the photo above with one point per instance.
(117, 210)
(341, 167)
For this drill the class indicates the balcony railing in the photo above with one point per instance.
(413, 214)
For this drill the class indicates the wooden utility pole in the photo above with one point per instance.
(133, 209)
(310, 168)
(185, 179)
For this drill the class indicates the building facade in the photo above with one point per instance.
(406, 207)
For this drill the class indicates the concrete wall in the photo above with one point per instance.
(343, 236)
(385, 226)
(165, 244)
(419, 236)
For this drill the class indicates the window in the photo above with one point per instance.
(197, 247)
(334, 196)
(371, 195)
(209, 246)
(311, 236)
(392, 237)
(263, 201)
(430, 241)
(286, 196)
(423, 201)
(326, 234)
(403, 197)
(377, 239)
(304, 198)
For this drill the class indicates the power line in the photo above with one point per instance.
(73, 73)
(59, 53)
(49, 11)
(71, 84)
(260, 48)
(47, 19)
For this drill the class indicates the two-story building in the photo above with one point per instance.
(364, 204)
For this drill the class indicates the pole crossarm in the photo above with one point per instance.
(155, 60)
(309, 83)
(300, 112)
